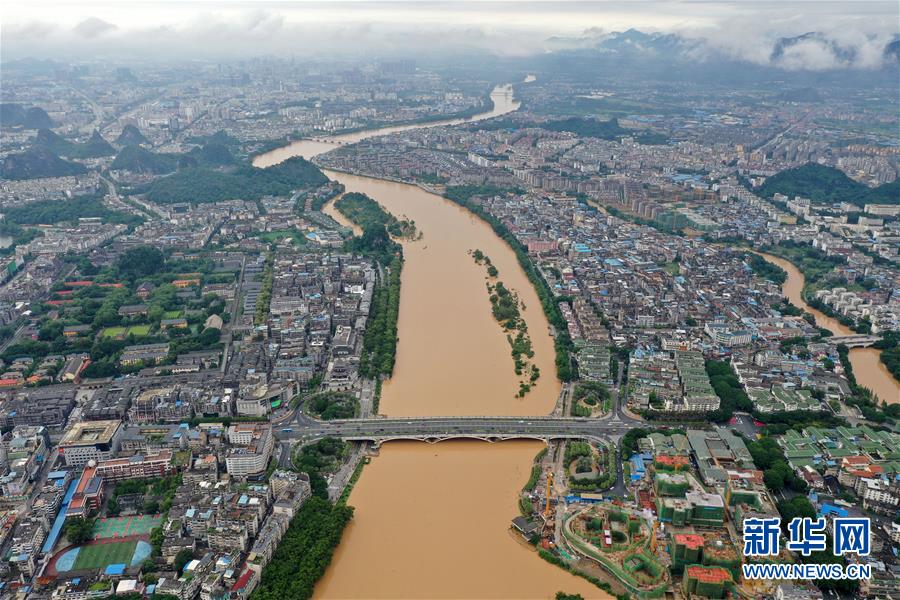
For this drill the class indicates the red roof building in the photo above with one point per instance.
(708, 574)
(690, 540)
(88, 494)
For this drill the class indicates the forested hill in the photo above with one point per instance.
(131, 136)
(36, 163)
(203, 184)
(94, 147)
(138, 159)
(16, 115)
(827, 185)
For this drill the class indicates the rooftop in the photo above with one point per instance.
(90, 432)
(708, 574)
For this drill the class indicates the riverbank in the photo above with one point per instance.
(433, 521)
(420, 507)
(870, 372)
(487, 105)
(563, 346)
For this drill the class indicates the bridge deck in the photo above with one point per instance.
(482, 428)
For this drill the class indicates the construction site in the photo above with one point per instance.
(667, 530)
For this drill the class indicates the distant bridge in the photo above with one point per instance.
(854, 341)
(438, 429)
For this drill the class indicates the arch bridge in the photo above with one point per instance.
(489, 429)
(854, 341)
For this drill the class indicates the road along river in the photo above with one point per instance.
(432, 521)
(870, 372)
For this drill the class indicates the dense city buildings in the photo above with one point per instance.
(691, 299)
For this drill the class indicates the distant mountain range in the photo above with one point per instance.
(812, 50)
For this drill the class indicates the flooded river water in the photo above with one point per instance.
(432, 521)
(870, 372)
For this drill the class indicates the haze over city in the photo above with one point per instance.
(465, 300)
(160, 30)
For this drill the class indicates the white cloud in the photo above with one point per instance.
(746, 30)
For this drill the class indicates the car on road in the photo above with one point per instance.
(287, 430)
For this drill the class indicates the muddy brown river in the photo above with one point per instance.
(432, 521)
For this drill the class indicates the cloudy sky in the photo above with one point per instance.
(164, 29)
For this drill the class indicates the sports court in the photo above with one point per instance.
(100, 555)
(121, 527)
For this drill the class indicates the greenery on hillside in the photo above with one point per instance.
(94, 147)
(212, 153)
(36, 163)
(58, 211)
(219, 138)
(827, 185)
(203, 184)
(131, 136)
(140, 160)
(462, 195)
(16, 115)
(304, 552)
